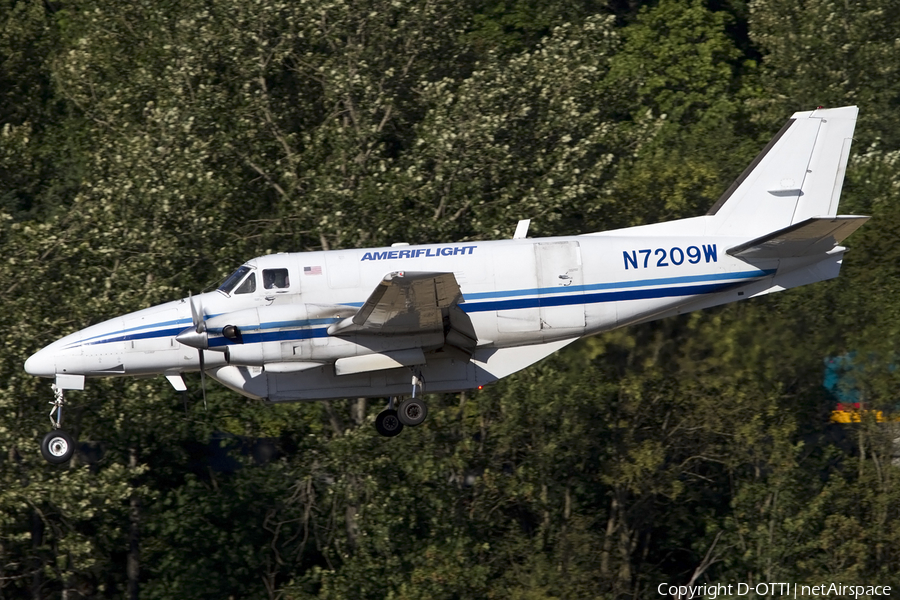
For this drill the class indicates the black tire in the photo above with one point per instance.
(412, 411)
(387, 423)
(57, 447)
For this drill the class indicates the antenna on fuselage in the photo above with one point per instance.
(522, 229)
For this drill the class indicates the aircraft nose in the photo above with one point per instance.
(41, 364)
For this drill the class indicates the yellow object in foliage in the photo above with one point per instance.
(854, 414)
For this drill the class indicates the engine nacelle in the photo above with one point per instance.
(279, 333)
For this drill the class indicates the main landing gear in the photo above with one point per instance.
(412, 411)
(57, 446)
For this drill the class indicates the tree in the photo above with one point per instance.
(679, 67)
(148, 148)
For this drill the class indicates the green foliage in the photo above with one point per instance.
(514, 26)
(827, 53)
(679, 65)
(521, 137)
(147, 148)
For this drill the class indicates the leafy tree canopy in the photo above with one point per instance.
(146, 148)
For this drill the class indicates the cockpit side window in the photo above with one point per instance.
(234, 279)
(276, 279)
(249, 285)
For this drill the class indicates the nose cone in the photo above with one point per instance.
(193, 338)
(41, 364)
(58, 357)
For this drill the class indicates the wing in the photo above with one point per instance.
(404, 302)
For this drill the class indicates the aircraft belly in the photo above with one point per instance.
(445, 374)
(367, 363)
(636, 311)
(519, 320)
(252, 382)
(440, 375)
(484, 326)
(451, 371)
(601, 316)
(492, 364)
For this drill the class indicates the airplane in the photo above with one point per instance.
(398, 321)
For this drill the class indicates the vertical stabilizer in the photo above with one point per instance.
(798, 175)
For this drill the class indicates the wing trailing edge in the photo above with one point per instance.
(404, 303)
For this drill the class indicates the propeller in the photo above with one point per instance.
(200, 328)
(198, 338)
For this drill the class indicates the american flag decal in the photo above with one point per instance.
(312, 270)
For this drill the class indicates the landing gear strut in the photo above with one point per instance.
(412, 411)
(57, 446)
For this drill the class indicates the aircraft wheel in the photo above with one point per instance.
(57, 447)
(388, 424)
(412, 412)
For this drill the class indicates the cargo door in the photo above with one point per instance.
(515, 279)
(561, 285)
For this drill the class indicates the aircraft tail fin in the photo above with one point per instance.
(797, 176)
(817, 235)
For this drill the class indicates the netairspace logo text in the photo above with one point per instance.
(788, 590)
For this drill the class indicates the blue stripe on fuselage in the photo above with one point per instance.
(147, 335)
(563, 297)
(623, 284)
(87, 341)
(690, 290)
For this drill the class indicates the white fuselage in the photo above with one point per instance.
(522, 300)
(371, 322)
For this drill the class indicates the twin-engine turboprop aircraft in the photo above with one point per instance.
(403, 320)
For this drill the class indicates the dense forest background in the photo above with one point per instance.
(149, 147)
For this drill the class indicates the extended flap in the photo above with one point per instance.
(404, 302)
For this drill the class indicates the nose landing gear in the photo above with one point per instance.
(57, 446)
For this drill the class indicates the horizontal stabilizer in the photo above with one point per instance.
(816, 235)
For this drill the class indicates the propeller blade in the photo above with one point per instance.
(203, 379)
(197, 315)
(199, 341)
(196, 335)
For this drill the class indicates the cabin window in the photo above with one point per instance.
(276, 279)
(249, 285)
(234, 279)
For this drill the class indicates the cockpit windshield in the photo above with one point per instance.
(234, 279)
